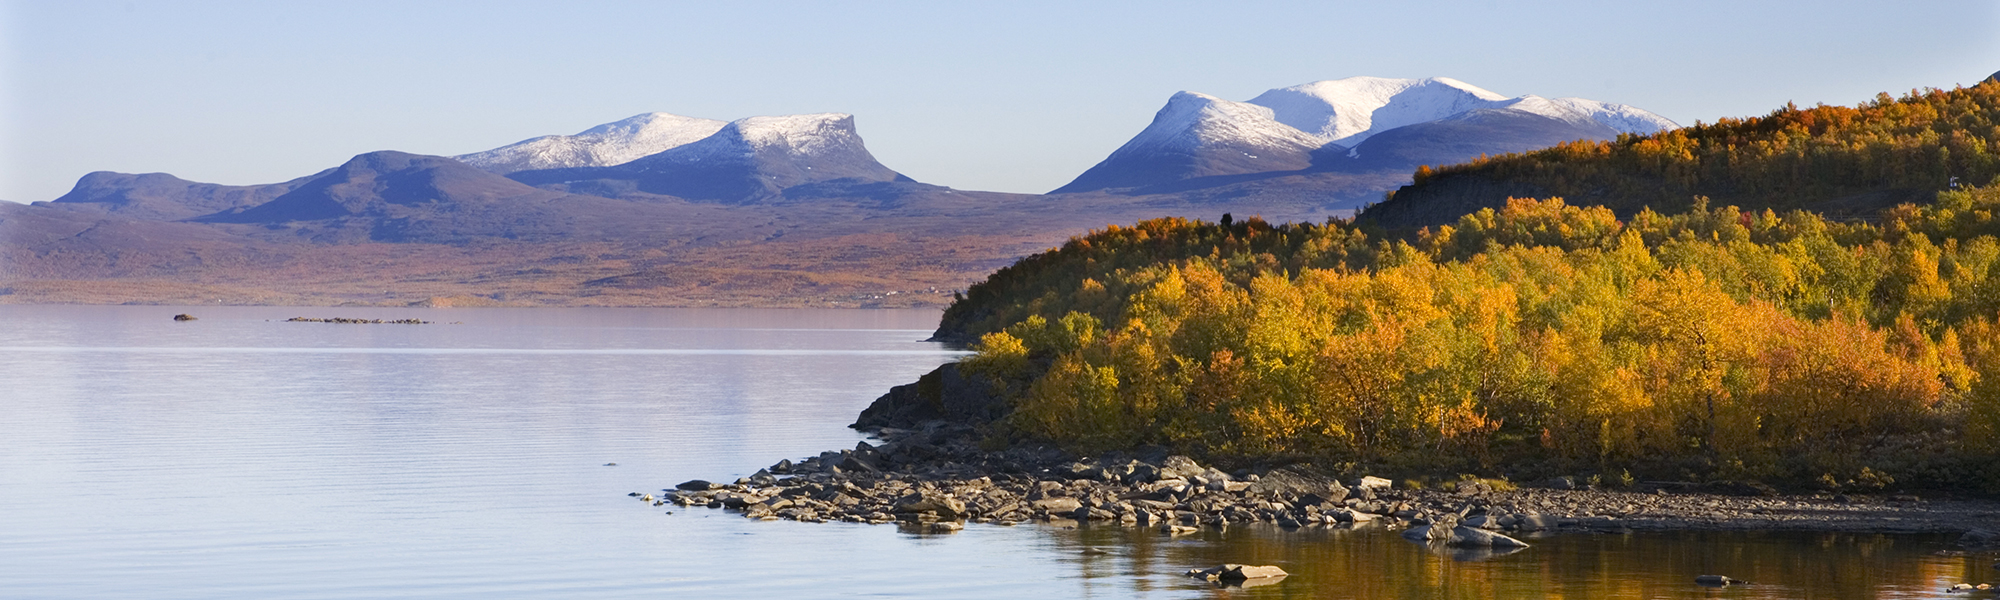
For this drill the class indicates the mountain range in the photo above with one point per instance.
(1353, 125)
(667, 209)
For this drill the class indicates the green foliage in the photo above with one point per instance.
(1727, 343)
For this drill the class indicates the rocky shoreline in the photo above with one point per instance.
(937, 479)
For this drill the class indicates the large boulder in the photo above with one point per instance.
(1288, 484)
(1447, 532)
(944, 394)
(1180, 467)
(937, 503)
(1056, 504)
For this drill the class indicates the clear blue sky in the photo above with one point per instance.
(1009, 96)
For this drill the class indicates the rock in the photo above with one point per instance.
(1284, 483)
(1978, 537)
(1056, 504)
(1447, 532)
(1142, 473)
(1535, 522)
(1463, 536)
(945, 507)
(944, 527)
(1718, 580)
(1483, 522)
(1373, 483)
(695, 485)
(1234, 572)
(944, 394)
(1180, 467)
(1561, 483)
(184, 317)
(1353, 516)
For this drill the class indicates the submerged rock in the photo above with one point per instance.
(1718, 581)
(1447, 532)
(1235, 572)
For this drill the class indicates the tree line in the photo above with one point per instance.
(1709, 343)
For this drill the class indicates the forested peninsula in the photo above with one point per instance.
(1738, 335)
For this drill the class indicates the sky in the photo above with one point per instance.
(1017, 96)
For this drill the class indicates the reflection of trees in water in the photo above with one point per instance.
(1377, 563)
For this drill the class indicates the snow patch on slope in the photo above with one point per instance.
(1619, 117)
(610, 144)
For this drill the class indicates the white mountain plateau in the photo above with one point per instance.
(610, 144)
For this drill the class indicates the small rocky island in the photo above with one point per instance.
(343, 320)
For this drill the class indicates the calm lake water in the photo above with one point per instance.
(239, 456)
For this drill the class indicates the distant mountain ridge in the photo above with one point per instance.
(163, 197)
(1324, 126)
(795, 210)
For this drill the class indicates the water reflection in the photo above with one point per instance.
(1373, 563)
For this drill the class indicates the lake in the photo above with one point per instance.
(241, 456)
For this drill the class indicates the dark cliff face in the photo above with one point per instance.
(944, 394)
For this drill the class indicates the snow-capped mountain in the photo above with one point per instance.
(1348, 111)
(743, 160)
(1198, 135)
(606, 145)
(1336, 118)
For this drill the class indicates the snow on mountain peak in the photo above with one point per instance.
(1347, 111)
(610, 144)
(804, 135)
(1191, 120)
(1619, 117)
